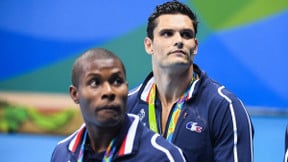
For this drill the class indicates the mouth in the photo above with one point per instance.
(110, 108)
(178, 52)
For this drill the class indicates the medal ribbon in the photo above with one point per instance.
(107, 156)
(109, 152)
(175, 114)
(151, 110)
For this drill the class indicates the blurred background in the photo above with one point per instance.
(242, 44)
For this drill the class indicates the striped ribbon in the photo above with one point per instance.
(175, 114)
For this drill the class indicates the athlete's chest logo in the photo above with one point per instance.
(194, 127)
(141, 114)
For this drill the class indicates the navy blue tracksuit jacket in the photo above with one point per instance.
(213, 125)
(135, 143)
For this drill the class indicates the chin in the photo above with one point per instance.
(110, 123)
(180, 64)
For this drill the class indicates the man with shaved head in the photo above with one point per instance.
(100, 88)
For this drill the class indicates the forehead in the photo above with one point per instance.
(174, 21)
(102, 64)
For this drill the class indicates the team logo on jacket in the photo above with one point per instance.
(141, 114)
(194, 127)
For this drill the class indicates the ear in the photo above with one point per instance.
(195, 51)
(148, 45)
(74, 94)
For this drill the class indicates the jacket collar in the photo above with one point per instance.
(150, 81)
(126, 145)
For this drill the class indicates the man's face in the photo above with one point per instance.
(102, 92)
(174, 41)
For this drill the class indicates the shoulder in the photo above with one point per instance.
(221, 102)
(224, 101)
(139, 88)
(61, 150)
(133, 93)
(216, 92)
(134, 90)
(138, 95)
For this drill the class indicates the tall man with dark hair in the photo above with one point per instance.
(179, 101)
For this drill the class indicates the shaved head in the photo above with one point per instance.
(89, 56)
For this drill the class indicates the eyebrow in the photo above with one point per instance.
(119, 73)
(181, 30)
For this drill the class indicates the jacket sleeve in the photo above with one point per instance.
(232, 131)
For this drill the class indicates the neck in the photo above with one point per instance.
(170, 86)
(100, 138)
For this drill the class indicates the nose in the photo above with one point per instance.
(179, 43)
(108, 92)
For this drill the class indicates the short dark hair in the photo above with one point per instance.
(90, 55)
(171, 7)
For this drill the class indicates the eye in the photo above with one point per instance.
(187, 34)
(95, 82)
(166, 33)
(117, 80)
